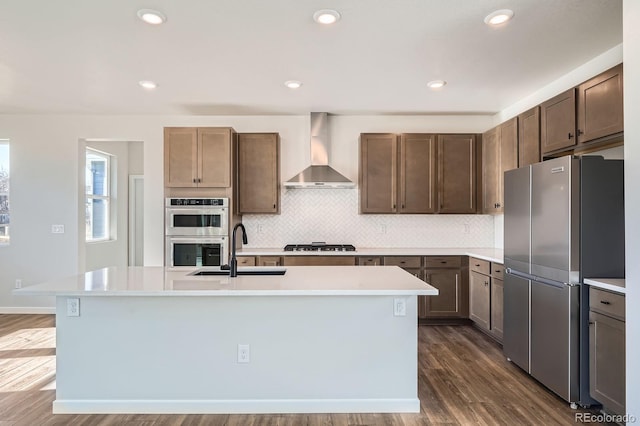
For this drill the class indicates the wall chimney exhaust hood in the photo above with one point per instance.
(319, 174)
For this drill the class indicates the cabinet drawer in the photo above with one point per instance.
(246, 261)
(497, 270)
(479, 265)
(443, 262)
(402, 261)
(369, 261)
(606, 302)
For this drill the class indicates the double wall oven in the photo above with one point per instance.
(196, 232)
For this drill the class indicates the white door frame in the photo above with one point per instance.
(134, 194)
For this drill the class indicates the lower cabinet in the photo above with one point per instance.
(486, 288)
(246, 261)
(448, 303)
(607, 349)
(269, 261)
(479, 300)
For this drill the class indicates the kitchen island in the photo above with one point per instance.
(317, 339)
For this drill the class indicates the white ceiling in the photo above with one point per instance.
(233, 56)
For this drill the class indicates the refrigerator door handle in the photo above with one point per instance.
(519, 274)
(538, 279)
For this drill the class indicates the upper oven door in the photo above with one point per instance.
(209, 221)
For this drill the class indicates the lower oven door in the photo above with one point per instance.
(193, 252)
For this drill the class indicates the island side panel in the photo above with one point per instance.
(180, 354)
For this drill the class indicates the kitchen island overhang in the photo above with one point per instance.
(321, 339)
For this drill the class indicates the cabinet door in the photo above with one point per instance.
(479, 299)
(558, 122)
(269, 261)
(214, 163)
(600, 106)
(529, 137)
(490, 170)
(258, 173)
(417, 173)
(180, 157)
(508, 147)
(457, 173)
(448, 302)
(497, 308)
(378, 173)
(607, 361)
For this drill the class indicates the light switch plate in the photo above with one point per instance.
(73, 307)
(57, 229)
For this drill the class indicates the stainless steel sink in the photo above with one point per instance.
(240, 272)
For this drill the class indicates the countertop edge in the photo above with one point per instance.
(234, 293)
(478, 252)
(600, 283)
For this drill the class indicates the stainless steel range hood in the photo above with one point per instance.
(319, 174)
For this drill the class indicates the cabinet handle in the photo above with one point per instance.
(194, 180)
(486, 283)
(274, 206)
(498, 205)
(477, 265)
(498, 270)
(580, 132)
(604, 302)
(394, 206)
(444, 261)
(403, 206)
(570, 135)
(199, 180)
(591, 323)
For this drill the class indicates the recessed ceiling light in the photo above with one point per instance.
(147, 84)
(152, 17)
(326, 16)
(436, 84)
(498, 17)
(293, 84)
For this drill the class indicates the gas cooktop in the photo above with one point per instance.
(319, 246)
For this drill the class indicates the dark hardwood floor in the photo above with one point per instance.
(463, 378)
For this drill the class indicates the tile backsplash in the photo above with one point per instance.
(331, 215)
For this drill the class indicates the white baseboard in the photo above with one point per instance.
(27, 310)
(74, 406)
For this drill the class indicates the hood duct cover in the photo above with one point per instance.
(319, 174)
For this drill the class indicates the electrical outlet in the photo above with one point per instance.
(18, 283)
(260, 229)
(467, 228)
(399, 307)
(382, 229)
(73, 307)
(57, 229)
(243, 354)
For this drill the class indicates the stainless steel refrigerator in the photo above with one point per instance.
(564, 220)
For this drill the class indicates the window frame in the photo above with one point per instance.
(108, 198)
(6, 241)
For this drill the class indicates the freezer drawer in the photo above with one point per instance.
(555, 338)
(516, 320)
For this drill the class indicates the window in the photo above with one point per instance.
(98, 195)
(4, 191)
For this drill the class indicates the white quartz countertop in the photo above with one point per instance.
(297, 281)
(612, 284)
(486, 253)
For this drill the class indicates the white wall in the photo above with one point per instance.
(631, 38)
(44, 178)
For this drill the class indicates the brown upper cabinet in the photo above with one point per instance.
(417, 173)
(499, 154)
(587, 113)
(398, 177)
(197, 157)
(600, 106)
(378, 172)
(529, 137)
(258, 185)
(457, 173)
(558, 122)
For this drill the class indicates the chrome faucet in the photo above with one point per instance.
(233, 263)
